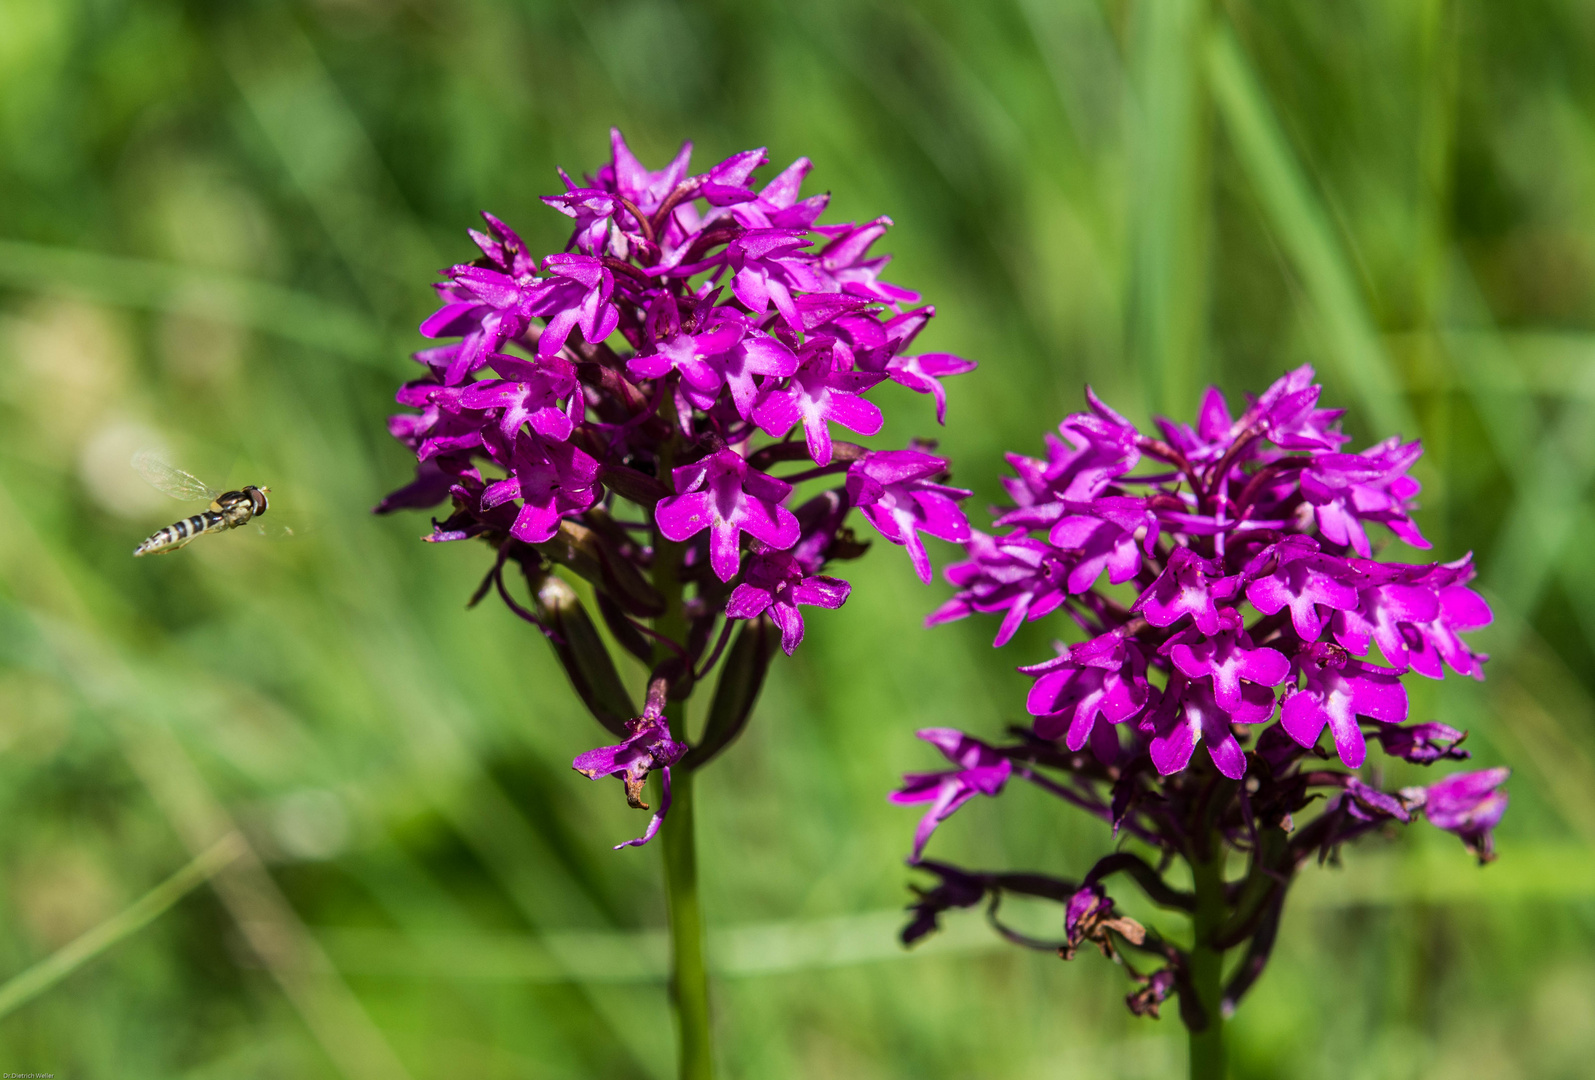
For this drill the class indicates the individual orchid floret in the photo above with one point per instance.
(777, 205)
(1088, 688)
(685, 345)
(647, 746)
(578, 293)
(551, 480)
(592, 208)
(1107, 533)
(1367, 803)
(631, 180)
(1287, 414)
(1294, 574)
(1229, 660)
(981, 771)
(1188, 713)
(767, 266)
(484, 307)
(1099, 446)
(1089, 917)
(1021, 577)
(1467, 804)
(924, 374)
(1188, 585)
(845, 261)
(776, 582)
(1423, 744)
(896, 492)
(541, 395)
(1344, 490)
(816, 396)
(722, 494)
(1336, 690)
(504, 249)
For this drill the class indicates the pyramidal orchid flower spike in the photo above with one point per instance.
(666, 410)
(1237, 651)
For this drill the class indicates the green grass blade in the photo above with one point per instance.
(23, 988)
(206, 294)
(1171, 205)
(1302, 226)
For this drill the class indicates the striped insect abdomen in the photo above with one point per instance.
(179, 533)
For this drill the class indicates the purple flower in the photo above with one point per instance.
(894, 490)
(816, 394)
(767, 265)
(777, 205)
(756, 354)
(1423, 744)
(1336, 691)
(924, 374)
(1344, 490)
(1468, 804)
(602, 409)
(1103, 535)
(1188, 585)
(592, 208)
(1017, 575)
(844, 262)
(1227, 547)
(648, 746)
(722, 494)
(504, 248)
(1302, 580)
(551, 479)
(1370, 804)
(1288, 416)
(674, 344)
(981, 771)
(629, 178)
(1100, 682)
(578, 294)
(1189, 713)
(542, 395)
(1088, 916)
(776, 582)
(1229, 659)
(1099, 447)
(486, 308)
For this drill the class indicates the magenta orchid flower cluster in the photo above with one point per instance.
(1222, 581)
(641, 412)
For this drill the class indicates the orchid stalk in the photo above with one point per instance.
(628, 413)
(1227, 609)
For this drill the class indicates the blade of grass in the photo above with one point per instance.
(329, 156)
(206, 294)
(1170, 202)
(24, 987)
(1551, 478)
(1297, 218)
(1439, 873)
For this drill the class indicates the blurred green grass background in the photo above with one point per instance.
(217, 224)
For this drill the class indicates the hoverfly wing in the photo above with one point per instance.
(165, 477)
(283, 525)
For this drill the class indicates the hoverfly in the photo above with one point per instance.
(228, 510)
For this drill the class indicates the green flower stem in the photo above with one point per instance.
(689, 973)
(1207, 962)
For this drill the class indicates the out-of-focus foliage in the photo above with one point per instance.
(217, 221)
